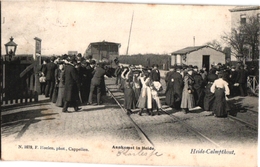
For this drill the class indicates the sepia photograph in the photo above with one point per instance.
(129, 83)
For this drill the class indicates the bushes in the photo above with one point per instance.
(146, 60)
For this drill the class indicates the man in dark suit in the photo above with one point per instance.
(242, 80)
(198, 87)
(50, 77)
(232, 79)
(96, 83)
(155, 74)
(72, 86)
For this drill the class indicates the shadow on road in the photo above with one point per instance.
(236, 106)
(20, 121)
(25, 105)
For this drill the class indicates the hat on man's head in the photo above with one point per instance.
(71, 59)
(52, 58)
(89, 57)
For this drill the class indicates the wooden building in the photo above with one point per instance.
(103, 50)
(197, 56)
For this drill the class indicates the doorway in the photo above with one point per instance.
(205, 62)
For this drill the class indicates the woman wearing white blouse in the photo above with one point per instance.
(220, 89)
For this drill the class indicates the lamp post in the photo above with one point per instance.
(10, 49)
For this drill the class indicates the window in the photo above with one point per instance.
(243, 19)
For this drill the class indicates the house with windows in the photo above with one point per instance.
(240, 15)
(197, 56)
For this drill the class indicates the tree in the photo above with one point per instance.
(244, 38)
(215, 44)
(236, 41)
(251, 31)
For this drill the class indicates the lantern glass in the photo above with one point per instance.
(11, 50)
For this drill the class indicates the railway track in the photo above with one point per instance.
(146, 138)
(251, 126)
(247, 124)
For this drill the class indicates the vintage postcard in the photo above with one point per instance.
(129, 83)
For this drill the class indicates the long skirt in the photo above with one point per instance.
(220, 103)
(142, 100)
(55, 94)
(209, 98)
(129, 95)
(156, 99)
(60, 98)
(137, 92)
(187, 99)
(199, 97)
(169, 97)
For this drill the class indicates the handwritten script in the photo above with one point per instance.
(145, 153)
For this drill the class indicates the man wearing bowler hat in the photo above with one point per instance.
(72, 86)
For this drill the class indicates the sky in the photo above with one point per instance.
(70, 26)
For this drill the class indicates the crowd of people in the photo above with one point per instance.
(186, 87)
(70, 81)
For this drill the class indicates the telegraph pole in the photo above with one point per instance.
(130, 33)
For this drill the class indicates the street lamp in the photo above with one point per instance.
(10, 48)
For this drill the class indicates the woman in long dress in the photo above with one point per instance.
(60, 101)
(220, 89)
(129, 95)
(187, 101)
(56, 86)
(145, 98)
(209, 96)
(136, 84)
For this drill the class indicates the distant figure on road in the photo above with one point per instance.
(50, 77)
(72, 86)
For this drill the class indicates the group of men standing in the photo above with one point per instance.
(82, 77)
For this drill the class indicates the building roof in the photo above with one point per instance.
(244, 8)
(105, 43)
(190, 49)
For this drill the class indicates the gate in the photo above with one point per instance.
(252, 84)
(18, 82)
